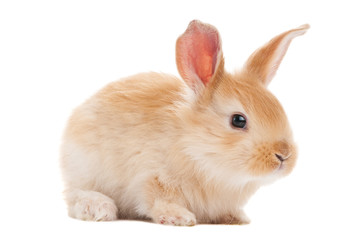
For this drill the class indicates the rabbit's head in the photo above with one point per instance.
(237, 128)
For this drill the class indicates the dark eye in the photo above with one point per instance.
(239, 121)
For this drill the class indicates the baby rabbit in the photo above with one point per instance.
(180, 152)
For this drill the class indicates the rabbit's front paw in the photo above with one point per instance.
(238, 219)
(177, 220)
(173, 214)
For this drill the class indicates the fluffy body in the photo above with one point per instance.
(153, 146)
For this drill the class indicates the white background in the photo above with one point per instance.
(55, 54)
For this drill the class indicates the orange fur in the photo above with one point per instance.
(156, 147)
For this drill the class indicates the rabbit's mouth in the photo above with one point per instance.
(272, 158)
(282, 159)
(286, 164)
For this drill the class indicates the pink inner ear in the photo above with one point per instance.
(197, 51)
(203, 55)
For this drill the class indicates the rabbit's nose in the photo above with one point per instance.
(280, 157)
(282, 151)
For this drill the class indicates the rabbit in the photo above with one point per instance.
(181, 152)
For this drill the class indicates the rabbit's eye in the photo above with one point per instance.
(239, 121)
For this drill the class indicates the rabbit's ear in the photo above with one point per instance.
(264, 62)
(198, 55)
